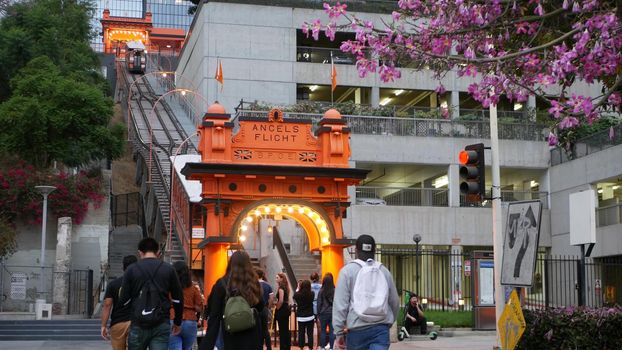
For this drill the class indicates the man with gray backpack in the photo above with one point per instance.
(151, 286)
(366, 301)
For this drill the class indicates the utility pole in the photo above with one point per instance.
(497, 229)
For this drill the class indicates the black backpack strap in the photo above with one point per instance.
(151, 277)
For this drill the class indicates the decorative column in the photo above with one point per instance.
(332, 260)
(62, 267)
(453, 174)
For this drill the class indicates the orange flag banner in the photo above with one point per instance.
(333, 75)
(219, 75)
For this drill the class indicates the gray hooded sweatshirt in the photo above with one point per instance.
(343, 315)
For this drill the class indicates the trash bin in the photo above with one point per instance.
(43, 311)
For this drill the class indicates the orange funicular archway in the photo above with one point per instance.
(267, 164)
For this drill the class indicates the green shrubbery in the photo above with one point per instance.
(573, 328)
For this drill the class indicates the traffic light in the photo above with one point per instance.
(472, 172)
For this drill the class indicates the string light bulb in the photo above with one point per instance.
(244, 227)
(257, 212)
(290, 209)
(242, 238)
(249, 219)
(270, 229)
(278, 209)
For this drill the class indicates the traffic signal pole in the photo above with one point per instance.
(497, 229)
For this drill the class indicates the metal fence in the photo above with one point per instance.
(400, 196)
(126, 209)
(424, 127)
(443, 128)
(588, 145)
(443, 280)
(21, 286)
(431, 197)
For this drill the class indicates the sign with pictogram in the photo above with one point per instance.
(18, 285)
(511, 323)
(467, 268)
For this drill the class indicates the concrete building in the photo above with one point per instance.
(414, 183)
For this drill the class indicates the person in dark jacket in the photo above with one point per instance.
(243, 281)
(282, 312)
(325, 311)
(164, 276)
(304, 314)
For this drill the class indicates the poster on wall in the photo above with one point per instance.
(486, 283)
(520, 244)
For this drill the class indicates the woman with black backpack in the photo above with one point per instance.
(325, 311)
(236, 302)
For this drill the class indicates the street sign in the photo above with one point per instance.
(520, 246)
(511, 323)
(18, 286)
(467, 268)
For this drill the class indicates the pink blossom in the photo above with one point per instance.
(396, 16)
(615, 99)
(389, 73)
(568, 122)
(330, 31)
(335, 11)
(440, 89)
(539, 10)
(556, 109)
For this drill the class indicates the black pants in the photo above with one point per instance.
(305, 327)
(282, 319)
(265, 315)
(421, 323)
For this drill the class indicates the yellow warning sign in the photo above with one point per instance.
(512, 323)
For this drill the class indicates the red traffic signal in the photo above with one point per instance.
(472, 172)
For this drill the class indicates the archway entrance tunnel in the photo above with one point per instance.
(322, 228)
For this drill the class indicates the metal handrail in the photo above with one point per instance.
(277, 243)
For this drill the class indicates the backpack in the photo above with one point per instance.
(370, 295)
(238, 315)
(149, 307)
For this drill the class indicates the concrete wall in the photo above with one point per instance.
(575, 176)
(437, 226)
(89, 243)
(443, 150)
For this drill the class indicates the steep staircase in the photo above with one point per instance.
(304, 265)
(123, 241)
(83, 330)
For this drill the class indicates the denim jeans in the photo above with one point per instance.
(186, 338)
(326, 320)
(369, 338)
(155, 338)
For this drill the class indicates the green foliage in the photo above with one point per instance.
(57, 29)
(572, 135)
(445, 319)
(7, 238)
(51, 117)
(572, 328)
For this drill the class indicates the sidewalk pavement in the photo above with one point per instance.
(484, 341)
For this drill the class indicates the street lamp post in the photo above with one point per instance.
(45, 191)
(417, 239)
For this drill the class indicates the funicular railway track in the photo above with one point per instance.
(155, 134)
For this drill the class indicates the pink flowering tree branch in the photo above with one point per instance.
(514, 48)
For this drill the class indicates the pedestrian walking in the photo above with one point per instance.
(120, 316)
(366, 301)
(151, 286)
(268, 300)
(304, 314)
(193, 304)
(236, 303)
(325, 311)
(282, 311)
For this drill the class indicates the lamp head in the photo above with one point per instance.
(417, 238)
(45, 190)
